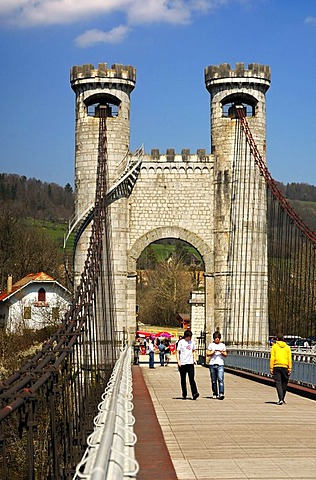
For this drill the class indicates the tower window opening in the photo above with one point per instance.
(95, 110)
(229, 109)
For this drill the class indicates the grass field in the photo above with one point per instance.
(56, 232)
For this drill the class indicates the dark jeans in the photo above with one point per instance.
(136, 356)
(281, 378)
(184, 370)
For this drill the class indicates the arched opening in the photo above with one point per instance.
(229, 103)
(41, 295)
(168, 271)
(97, 103)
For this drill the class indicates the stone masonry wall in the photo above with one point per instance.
(164, 203)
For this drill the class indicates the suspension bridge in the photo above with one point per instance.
(74, 397)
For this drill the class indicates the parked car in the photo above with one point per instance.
(291, 338)
(312, 341)
(300, 343)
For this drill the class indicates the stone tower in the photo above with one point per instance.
(98, 88)
(240, 237)
(196, 197)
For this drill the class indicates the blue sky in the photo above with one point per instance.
(170, 42)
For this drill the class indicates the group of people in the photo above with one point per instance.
(280, 363)
(185, 352)
(164, 352)
(163, 346)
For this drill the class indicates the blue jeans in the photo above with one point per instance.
(162, 358)
(217, 378)
(151, 359)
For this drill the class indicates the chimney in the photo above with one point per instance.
(9, 284)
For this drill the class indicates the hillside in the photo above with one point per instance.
(52, 203)
(36, 199)
(302, 197)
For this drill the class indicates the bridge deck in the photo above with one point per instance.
(245, 436)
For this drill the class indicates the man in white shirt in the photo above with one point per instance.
(185, 358)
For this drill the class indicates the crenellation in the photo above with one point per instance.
(185, 153)
(119, 71)
(255, 70)
(240, 69)
(185, 156)
(155, 154)
(102, 68)
(170, 154)
(201, 154)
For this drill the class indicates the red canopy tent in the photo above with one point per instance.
(163, 334)
(143, 334)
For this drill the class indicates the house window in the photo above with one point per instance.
(55, 313)
(27, 313)
(41, 295)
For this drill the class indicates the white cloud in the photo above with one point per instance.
(48, 12)
(91, 37)
(53, 12)
(30, 13)
(310, 20)
(176, 11)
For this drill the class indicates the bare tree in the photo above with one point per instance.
(26, 249)
(165, 292)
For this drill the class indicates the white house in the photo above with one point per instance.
(35, 301)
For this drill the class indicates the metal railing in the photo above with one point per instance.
(110, 453)
(122, 187)
(257, 361)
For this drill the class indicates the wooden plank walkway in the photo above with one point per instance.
(245, 436)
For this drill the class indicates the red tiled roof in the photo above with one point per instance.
(5, 294)
(31, 277)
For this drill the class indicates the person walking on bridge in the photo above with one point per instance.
(136, 348)
(281, 366)
(185, 358)
(217, 351)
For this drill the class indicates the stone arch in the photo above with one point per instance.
(171, 232)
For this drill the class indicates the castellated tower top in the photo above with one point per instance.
(116, 74)
(215, 74)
